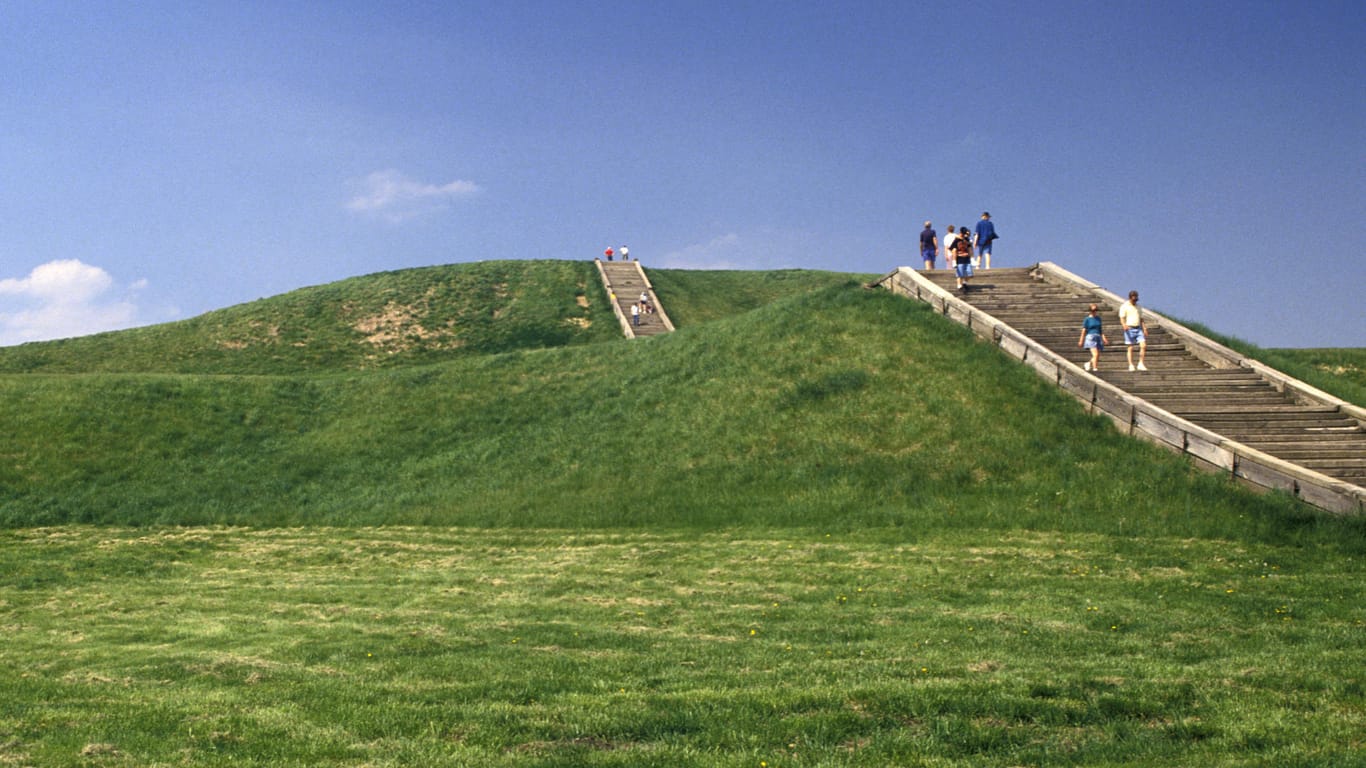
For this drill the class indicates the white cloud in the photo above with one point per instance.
(61, 299)
(66, 280)
(395, 197)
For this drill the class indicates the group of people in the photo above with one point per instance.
(642, 307)
(959, 247)
(1135, 334)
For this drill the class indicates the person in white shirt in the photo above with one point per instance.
(1135, 331)
(949, 240)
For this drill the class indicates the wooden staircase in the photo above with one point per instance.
(626, 282)
(1197, 396)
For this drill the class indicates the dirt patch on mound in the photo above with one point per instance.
(396, 329)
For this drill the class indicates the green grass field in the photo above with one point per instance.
(732, 647)
(817, 526)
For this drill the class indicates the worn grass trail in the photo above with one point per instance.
(733, 648)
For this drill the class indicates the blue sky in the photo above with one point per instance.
(160, 160)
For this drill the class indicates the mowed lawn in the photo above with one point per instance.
(786, 647)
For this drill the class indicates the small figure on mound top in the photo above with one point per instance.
(608, 253)
(1093, 338)
(625, 253)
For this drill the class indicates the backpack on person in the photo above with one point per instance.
(963, 247)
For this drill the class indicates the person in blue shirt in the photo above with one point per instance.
(986, 232)
(1093, 338)
(929, 245)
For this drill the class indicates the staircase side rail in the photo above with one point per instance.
(1305, 393)
(1133, 415)
(1211, 351)
(612, 299)
(654, 299)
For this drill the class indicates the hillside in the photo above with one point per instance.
(402, 318)
(380, 320)
(839, 407)
(818, 525)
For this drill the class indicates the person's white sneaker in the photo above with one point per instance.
(1142, 367)
(1087, 366)
(1131, 368)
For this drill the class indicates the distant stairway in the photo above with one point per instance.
(1197, 396)
(626, 284)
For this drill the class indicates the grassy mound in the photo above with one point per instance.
(403, 318)
(383, 320)
(841, 407)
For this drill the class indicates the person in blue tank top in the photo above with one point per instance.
(1093, 338)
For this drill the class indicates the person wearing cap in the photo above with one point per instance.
(609, 253)
(1135, 331)
(986, 232)
(929, 245)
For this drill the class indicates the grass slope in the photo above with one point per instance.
(840, 407)
(383, 320)
(402, 318)
(700, 296)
